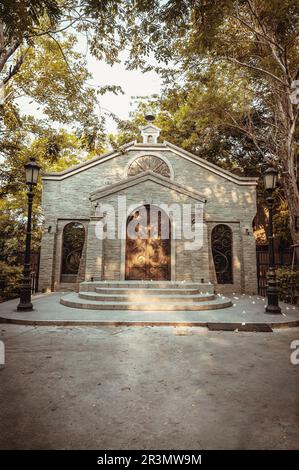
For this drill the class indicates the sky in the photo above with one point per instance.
(133, 83)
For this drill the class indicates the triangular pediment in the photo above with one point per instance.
(146, 147)
(150, 128)
(139, 180)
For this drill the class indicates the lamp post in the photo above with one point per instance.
(270, 179)
(31, 172)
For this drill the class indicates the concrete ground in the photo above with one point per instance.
(147, 388)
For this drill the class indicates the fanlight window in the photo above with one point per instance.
(73, 241)
(146, 163)
(222, 242)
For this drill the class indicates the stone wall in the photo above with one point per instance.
(148, 192)
(224, 198)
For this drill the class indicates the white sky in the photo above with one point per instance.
(133, 83)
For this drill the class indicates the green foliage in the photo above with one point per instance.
(22, 17)
(10, 245)
(10, 279)
(192, 116)
(57, 82)
(281, 219)
(53, 150)
(288, 284)
(54, 76)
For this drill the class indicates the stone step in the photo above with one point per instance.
(148, 291)
(92, 286)
(74, 301)
(143, 296)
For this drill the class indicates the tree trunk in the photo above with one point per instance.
(288, 159)
(292, 196)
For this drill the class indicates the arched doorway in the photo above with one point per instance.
(148, 244)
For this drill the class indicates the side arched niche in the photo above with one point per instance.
(222, 251)
(73, 238)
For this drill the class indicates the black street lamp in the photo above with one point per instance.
(270, 179)
(31, 172)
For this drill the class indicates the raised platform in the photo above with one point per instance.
(246, 314)
(145, 296)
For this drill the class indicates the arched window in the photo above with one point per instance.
(150, 139)
(72, 246)
(149, 162)
(222, 249)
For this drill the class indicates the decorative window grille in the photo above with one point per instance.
(222, 249)
(72, 246)
(146, 163)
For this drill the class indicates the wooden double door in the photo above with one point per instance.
(148, 244)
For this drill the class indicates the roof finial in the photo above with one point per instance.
(150, 132)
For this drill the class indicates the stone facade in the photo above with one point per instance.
(75, 194)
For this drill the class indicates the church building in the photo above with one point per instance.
(135, 184)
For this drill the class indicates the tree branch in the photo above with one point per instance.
(269, 41)
(5, 54)
(62, 52)
(257, 69)
(265, 35)
(13, 70)
(43, 33)
(65, 59)
(251, 135)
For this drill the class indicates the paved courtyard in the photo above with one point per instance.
(147, 388)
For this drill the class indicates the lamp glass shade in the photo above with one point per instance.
(32, 171)
(270, 178)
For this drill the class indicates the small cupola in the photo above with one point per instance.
(150, 133)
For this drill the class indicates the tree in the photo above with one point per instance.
(18, 23)
(22, 22)
(193, 116)
(260, 38)
(38, 60)
(57, 82)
